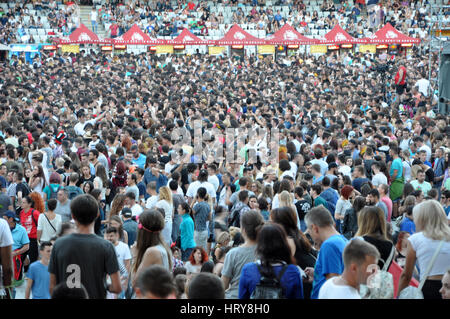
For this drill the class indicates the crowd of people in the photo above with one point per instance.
(166, 18)
(111, 170)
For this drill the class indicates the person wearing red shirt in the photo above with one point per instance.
(400, 79)
(28, 219)
(113, 28)
(191, 6)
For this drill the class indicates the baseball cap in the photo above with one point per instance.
(11, 214)
(126, 212)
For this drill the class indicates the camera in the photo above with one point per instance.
(444, 100)
(383, 67)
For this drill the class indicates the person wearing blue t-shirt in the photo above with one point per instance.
(397, 179)
(329, 262)
(274, 261)
(278, 16)
(407, 223)
(138, 159)
(38, 277)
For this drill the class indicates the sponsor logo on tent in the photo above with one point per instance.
(290, 35)
(137, 37)
(84, 37)
(188, 38)
(239, 36)
(340, 37)
(391, 35)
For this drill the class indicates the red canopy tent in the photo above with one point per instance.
(288, 35)
(186, 37)
(237, 36)
(388, 34)
(82, 35)
(135, 36)
(339, 36)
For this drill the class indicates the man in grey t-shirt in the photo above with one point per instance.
(63, 205)
(232, 267)
(239, 256)
(243, 186)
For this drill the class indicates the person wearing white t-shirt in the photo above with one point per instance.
(343, 167)
(423, 85)
(6, 242)
(212, 177)
(170, 164)
(378, 177)
(431, 230)
(346, 286)
(294, 169)
(122, 252)
(136, 209)
(153, 199)
(418, 140)
(179, 189)
(201, 182)
(49, 223)
(81, 117)
(94, 15)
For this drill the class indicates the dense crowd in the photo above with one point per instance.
(165, 18)
(119, 169)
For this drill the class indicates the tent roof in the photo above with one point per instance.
(337, 35)
(81, 35)
(135, 36)
(289, 35)
(388, 34)
(186, 37)
(237, 36)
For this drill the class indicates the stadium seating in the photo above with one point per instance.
(288, 13)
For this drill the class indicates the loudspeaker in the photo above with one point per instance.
(444, 81)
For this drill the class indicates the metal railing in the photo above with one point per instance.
(440, 41)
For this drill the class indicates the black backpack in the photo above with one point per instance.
(269, 287)
(73, 193)
(54, 195)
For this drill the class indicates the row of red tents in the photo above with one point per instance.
(287, 35)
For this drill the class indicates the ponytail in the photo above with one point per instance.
(188, 209)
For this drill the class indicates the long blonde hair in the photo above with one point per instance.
(165, 194)
(286, 200)
(371, 221)
(430, 218)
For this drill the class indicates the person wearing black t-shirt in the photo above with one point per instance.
(302, 205)
(85, 176)
(83, 256)
(165, 158)
(359, 178)
(22, 189)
